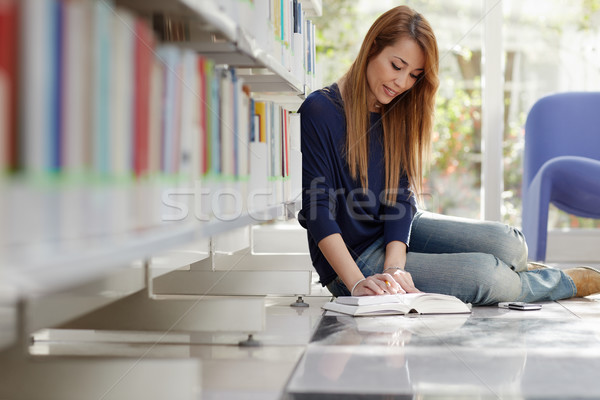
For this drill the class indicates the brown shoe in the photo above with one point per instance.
(586, 279)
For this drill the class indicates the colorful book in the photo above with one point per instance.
(37, 96)
(286, 143)
(276, 15)
(189, 109)
(75, 90)
(215, 121)
(156, 116)
(202, 148)
(237, 93)
(261, 111)
(252, 115)
(56, 71)
(124, 76)
(9, 54)
(243, 136)
(102, 87)
(175, 155)
(209, 113)
(274, 140)
(170, 57)
(143, 97)
(227, 131)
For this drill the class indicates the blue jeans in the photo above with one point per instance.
(480, 262)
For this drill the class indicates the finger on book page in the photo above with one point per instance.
(404, 279)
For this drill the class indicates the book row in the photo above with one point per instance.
(86, 90)
(286, 32)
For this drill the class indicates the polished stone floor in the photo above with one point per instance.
(553, 353)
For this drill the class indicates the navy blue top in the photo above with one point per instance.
(333, 202)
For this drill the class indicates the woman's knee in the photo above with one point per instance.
(491, 282)
(478, 278)
(513, 247)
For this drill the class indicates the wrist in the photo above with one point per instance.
(392, 268)
(356, 284)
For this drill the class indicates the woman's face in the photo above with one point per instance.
(393, 71)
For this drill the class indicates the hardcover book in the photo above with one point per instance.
(419, 303)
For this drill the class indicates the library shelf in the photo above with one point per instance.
(67, 248)
(35, 270)
(217, 36)
(58, 257)
(313, 8)
(205, 12)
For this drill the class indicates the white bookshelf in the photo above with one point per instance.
(65, 241)
(218, 36)
(313, 8)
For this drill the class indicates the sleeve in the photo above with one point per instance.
(398, 216)
(318, 198)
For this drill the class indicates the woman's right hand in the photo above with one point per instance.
(377, 284)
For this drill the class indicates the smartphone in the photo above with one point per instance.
(519, 305)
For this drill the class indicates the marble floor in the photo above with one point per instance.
(494, 353)
(553, 353)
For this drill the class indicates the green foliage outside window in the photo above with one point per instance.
(453, 180)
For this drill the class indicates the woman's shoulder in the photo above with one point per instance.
(327, 99)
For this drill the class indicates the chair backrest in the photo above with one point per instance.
(564, 124)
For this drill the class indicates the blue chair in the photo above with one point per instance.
(561, 163)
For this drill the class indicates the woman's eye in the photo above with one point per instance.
(396, 67)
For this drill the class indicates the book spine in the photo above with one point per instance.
(295, 156)
(313, 58)
(175, 142)
(245, 123)
(169, 56)
(9, 39)
(156, 116)
(122, 87)
(102, 89)
(202, 149)
(261, 111)
(36, 83)
(227, 132)
(286, 144)
(215, 117)
(252, 116)
(209, 113)
(56, 89)
(196, 147)
(74, 111)
(236, 89)
(143, 98)
(273, 142)
(189, 109)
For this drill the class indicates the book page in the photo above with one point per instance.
(406, 298)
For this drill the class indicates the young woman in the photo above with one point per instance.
(364, 143)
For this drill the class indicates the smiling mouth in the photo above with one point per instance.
(389, 91)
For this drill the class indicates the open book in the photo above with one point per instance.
(420, 303)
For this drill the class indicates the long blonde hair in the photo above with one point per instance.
(408, 118)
